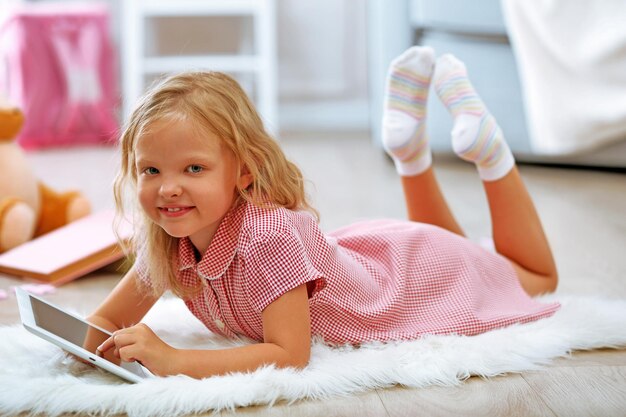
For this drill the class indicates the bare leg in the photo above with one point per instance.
(476, 137)
(518, 234)
(425, 202)
(517, 231)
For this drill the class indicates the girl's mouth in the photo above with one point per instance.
(174, 211)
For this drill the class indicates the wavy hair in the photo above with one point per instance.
(216, 103)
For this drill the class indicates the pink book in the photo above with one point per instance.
(68, 252)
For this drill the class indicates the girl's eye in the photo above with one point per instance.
(194, 169)
(151, 171)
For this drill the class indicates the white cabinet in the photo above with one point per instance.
(475, 32)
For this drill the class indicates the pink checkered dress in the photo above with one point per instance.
(372, 281)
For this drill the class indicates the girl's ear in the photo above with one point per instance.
(245, 178)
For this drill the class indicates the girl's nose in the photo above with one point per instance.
(170, 189)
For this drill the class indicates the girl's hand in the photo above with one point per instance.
(139, 343)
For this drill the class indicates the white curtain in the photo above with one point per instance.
(572, 60)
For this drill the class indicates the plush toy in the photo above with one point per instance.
(28, 208)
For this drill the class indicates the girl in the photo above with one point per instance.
(227, 227)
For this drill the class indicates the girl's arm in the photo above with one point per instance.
(287, 343)
(286, 335)
(125, 306)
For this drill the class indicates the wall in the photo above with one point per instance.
(322, 53)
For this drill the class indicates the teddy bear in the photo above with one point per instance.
(28, 208)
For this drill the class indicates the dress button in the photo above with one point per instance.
(220, 324)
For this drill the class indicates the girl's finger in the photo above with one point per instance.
(106, 345)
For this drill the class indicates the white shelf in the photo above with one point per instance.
(224, 63)
(201, 7)
(261, 64)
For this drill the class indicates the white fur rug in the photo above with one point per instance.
(36, 377)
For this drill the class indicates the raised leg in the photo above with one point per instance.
(405, 138)
(476, 137)
(518, 234)
(425, 202)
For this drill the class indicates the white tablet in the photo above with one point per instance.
(72, 334)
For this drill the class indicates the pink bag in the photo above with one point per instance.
(60, 70)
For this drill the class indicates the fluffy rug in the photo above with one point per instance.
(37, 377)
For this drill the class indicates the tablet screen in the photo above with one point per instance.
(71, 329)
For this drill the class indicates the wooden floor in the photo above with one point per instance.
(584, 213)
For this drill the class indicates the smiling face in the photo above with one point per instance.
(186, 179)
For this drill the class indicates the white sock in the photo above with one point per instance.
(476, 136)
(404, 124)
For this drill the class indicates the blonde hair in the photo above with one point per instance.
(218, 104)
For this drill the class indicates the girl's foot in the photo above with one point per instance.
(404, 124)
(476, 136)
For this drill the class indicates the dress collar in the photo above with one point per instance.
(221, 250)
